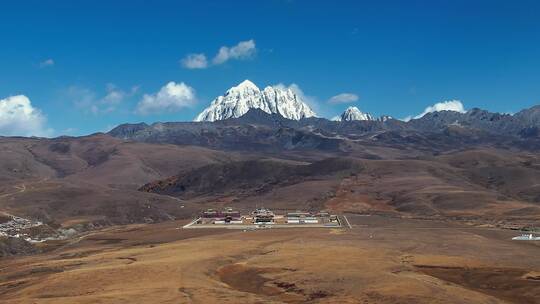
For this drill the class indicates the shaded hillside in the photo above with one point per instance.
(490, 185)
(511, 175)
(244, 137)
(249, 177)
(99, 159)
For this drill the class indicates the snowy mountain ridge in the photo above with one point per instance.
(238, 100)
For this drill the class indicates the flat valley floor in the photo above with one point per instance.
(377, 260)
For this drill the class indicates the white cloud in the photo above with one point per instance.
(87, 99)
(343, 98)
(46, 63)
(450, 105)
(114, 95)
(19, 118)
(243, 50)
(195, 61)
(171, 97)
(81, 97)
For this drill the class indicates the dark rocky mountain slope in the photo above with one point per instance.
(257, 130)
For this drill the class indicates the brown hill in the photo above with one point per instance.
(490, 185)
(93, 179)
(255, 176)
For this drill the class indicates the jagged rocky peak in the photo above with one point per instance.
(530, 116)
(238, 100)
(353, 113)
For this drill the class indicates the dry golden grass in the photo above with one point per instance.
(385, 261)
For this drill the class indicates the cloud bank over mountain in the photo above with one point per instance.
(449, 105)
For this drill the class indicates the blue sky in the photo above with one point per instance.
(85, 66)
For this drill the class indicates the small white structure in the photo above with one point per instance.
(300, 217)
(310, 220)
(227, 222)
(526, 237)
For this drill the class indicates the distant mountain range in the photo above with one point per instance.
(284, 102)
(257, 129)
(277, 118)
(280, 107)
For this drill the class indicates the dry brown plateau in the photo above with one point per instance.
(379, 260)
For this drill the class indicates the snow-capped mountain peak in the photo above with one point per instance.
(238, 100)
(353, 113)
(245, 85)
